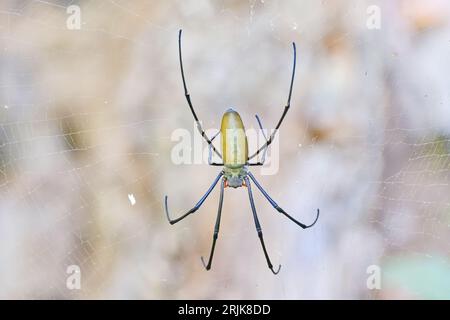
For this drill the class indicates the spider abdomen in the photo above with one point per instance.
(234, 140)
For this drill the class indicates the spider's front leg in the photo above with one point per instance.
(188, 99)
(286, 109)
(264, 148)
(210, 148)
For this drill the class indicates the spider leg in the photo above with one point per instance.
(188, 99)
(216, 227)
(210, 162)
(258, 227)
(286, 108)
(260, 126)
(196, 207)
(278, 208)
(263, 158)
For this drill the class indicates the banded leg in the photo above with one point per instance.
(196, 207)
(258, 227)
(188, 99)
(286, 109)
(216, 227)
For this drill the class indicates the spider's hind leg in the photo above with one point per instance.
(279, 209)
(216, 227)
(258, 228)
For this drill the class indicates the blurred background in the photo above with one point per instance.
(87, 117)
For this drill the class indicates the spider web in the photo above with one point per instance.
(86, 124)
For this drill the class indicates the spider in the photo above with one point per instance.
(235, 162)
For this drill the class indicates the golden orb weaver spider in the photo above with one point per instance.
(235, 164)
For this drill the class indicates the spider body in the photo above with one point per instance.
(234, 149)
(235, 165)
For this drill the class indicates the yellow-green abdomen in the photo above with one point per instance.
(234, 140)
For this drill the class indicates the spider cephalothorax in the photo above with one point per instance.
(235, 178)
(235, 162)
